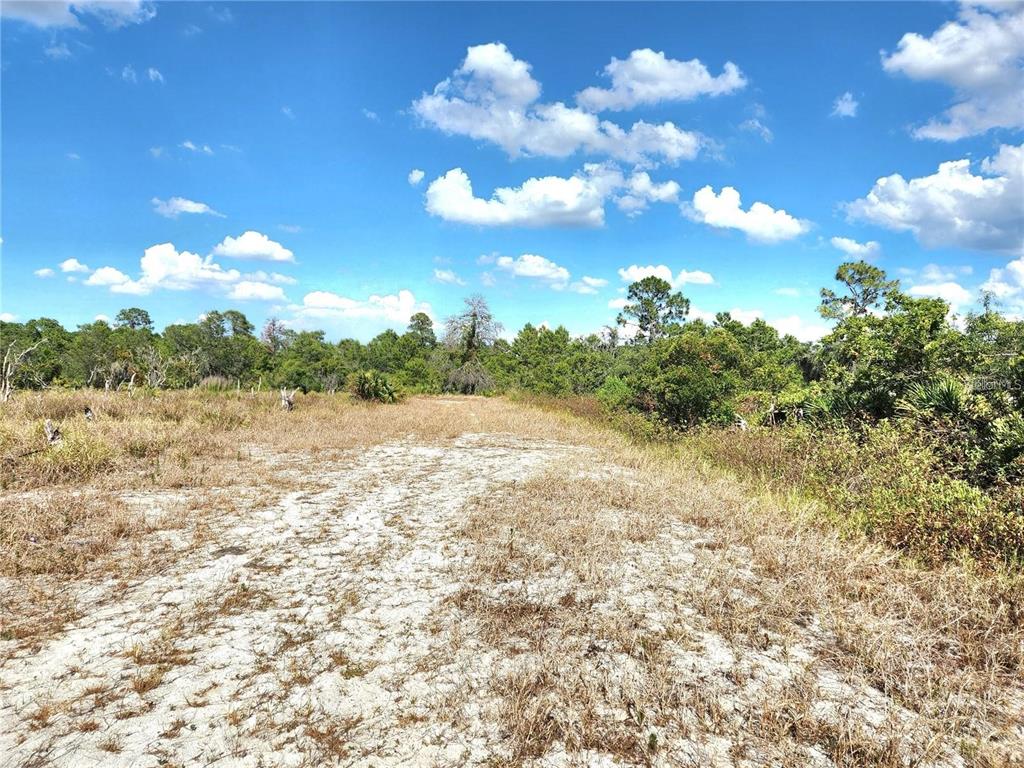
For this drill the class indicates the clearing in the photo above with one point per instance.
(460, 581)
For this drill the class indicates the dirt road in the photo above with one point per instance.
(484, 600)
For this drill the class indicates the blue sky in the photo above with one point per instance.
(342, 165)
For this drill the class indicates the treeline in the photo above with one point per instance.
(953, 392)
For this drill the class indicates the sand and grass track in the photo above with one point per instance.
(455, 581)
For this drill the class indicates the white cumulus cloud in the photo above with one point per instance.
(532, 265)
(73, 265)
(549, 201)
(852, 248)
(253, 245)
(951, 292)
(493, 97)
(981, 57)
(649, 77)
(246, 290)
(954, 207)
(415, 176)
(392, 308)
(760, 222)
(636, 272)
(44, 272)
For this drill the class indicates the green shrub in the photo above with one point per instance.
(614, 394)
(884, 481)
(371, 386)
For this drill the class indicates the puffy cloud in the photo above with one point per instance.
(270, 277)
(369, 114)
(531, 265)
(760, 222)
(154, 75)
(951, 292)
(980, 57)
(448, 277)
(640, 190)
(392, 308)
(588, 284)
(493, 97)
(44, 272)
(415, 176)
(55, 13)
(635, 272)
(853, 248)
(649, 77)
(73, 265)
(107, 276)
(253, 245)
(163, 266)
(539, 202)
(618, 303)
(246, 290)
(577, 201)
(845, 106)
(172, 208)
(1007, 285)
(954, 207)
(7, 317)
(695, 277)
(199, 148)
(128, 74)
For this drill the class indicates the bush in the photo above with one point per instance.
(614, 394)
(884, 481)
(371, 386)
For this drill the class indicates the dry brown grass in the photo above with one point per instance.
(944, 645)
(84, 508)
(577, 584)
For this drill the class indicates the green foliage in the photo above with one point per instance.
(371, 385)
(866, 289)
(933, 411)
(653, 308)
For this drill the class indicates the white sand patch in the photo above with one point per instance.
(299, 633)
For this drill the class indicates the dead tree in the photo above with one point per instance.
(9, 367)
(156, 367)
(288, 401)
(53, 435)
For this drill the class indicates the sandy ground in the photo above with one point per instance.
(326, 629)
(311, 610)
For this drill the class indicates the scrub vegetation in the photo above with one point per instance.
(904, 425)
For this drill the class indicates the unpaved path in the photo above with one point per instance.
(484, 600)
(311, 611)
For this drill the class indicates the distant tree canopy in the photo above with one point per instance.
(653, 308)
(889, 355)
